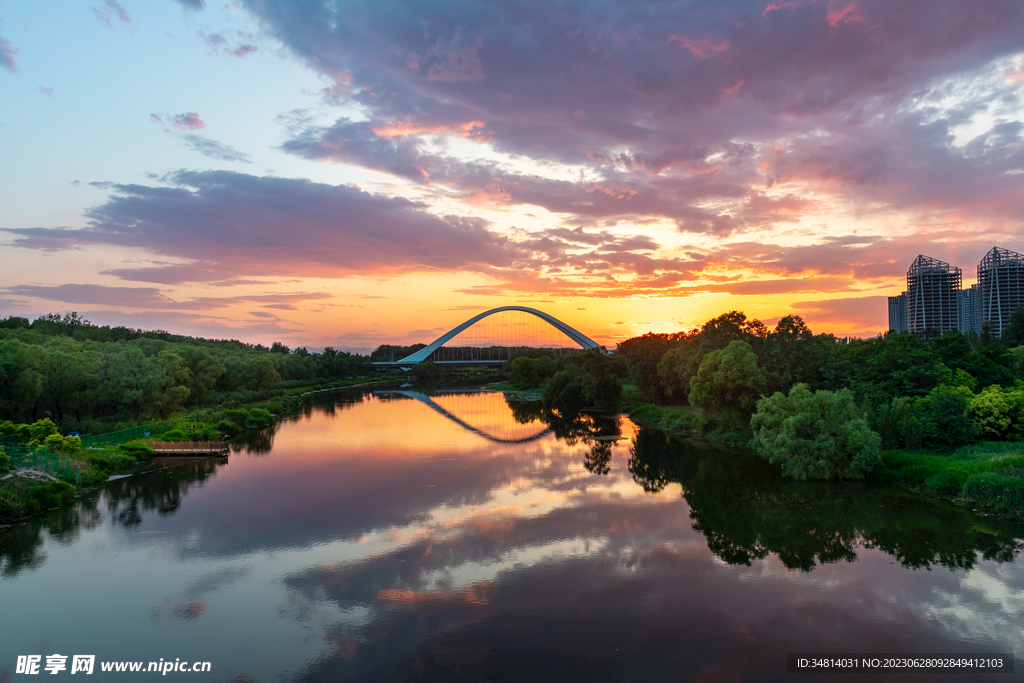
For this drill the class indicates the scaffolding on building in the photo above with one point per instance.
(1001, 287)
(933, 295)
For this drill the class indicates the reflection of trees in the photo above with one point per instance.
(162, 490)
(596, 431)
(598, 459)
(746, 510)
(255, 442)
(126, 499)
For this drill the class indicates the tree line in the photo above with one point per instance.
(67, 369)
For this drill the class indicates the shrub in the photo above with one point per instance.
(259, 419)
(239, 416)
(5, 459)
(54, 443)
(137, 450)
(34, 498)
(228, 427)
(71, 444)
(815, 436)
(105, 462)
(999, 413)
(41, 429)
(938, 420)
(174, 435)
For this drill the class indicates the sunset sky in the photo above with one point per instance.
(356, 173)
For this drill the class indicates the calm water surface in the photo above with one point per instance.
(400, 536)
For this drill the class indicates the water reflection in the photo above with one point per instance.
(746, 511)
(384, 537)
(462, 406)
(125, 500)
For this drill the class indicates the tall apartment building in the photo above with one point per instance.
(1000, 287)
(898, 313)
(969, 310)
(933, 295)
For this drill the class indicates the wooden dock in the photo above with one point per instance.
(199, 448)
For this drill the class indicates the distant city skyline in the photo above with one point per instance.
(361, 173)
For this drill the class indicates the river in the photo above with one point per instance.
(455, 535)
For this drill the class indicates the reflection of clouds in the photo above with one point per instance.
(189, 607)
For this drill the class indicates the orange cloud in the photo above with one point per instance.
(399, 128)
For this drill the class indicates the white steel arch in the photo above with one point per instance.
(583, 340)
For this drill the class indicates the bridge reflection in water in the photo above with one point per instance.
(483, 413)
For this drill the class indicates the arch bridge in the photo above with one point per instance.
(486, 340)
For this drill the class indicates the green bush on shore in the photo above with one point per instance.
(20, 497)
(139, 451)
(819, 435)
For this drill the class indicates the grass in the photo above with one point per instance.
(20, 497)
(989, 473)
(669, 418)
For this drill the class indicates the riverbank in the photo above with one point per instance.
(985, 475)
(28, 488)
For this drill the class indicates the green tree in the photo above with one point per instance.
(815, 436)
(566, 392)
(938, 421)
(20, 376)
(68, 377)
(1013, 335)
(677, 366)
(728, 383)
(204, 369)
(144, 385)
(642, 361)
(523, 372)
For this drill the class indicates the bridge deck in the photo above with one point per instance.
(385, 365)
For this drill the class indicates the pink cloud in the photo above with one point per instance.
(244, 50)
(112, 9)
(701, 48)
(7, 52)
(189, 121)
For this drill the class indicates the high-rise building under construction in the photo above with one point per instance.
(1000, 288)
(933, 295)
(934, 299)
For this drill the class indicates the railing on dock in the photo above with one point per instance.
(188, 447)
